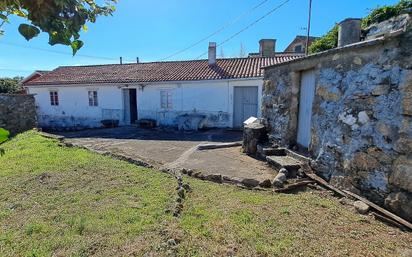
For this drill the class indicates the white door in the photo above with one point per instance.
(245, 104)
(307, 94)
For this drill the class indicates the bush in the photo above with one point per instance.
(385, 12)
(10, 85)
(330, 40)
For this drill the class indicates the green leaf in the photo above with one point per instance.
(4, 135)
(76, 45)
(28, 31)
(3, 17)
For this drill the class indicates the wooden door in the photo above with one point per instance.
(307, 94)
(245, 104)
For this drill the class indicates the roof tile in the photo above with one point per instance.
(230, 68)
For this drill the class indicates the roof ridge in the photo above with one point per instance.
(280, 54)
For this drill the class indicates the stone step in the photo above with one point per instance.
(287, 162)
(268, 150)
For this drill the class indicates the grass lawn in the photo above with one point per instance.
(58, 201)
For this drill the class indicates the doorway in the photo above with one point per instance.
(307, 95)
(133, 105)
(245, 104)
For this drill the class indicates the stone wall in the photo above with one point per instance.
(361, 132)
(17, 112)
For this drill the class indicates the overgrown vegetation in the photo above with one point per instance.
(385, 12)
(58, 201)
(10, 85)
(379, 14)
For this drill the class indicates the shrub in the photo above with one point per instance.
(330, 40)
(10, 85)
(385, 12)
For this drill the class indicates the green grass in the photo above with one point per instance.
(58, 201)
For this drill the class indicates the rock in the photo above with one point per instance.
(265, 183)
(402, 173)
(363, 117)
(403, 145)
(381, 89)
(361, 207)
(346, 201)
(401, 204)
(214, 177)
(284, 171)
(279, 179)
(183, 171)
(364, 161)
(187, 187)
(181, 193)
(344, 182)
(171, 242)
(407, 104)
(189, 172)
(197, 174)
(250, 182)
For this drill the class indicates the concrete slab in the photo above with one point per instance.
(175, 149)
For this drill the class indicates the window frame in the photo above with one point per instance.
(301, 48)
(54, 97)
(93, 98)
(166, 99)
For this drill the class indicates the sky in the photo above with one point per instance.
(155, 29)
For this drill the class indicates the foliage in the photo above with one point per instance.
(330, 40)
(385, 12)
(10, 85)
(62, 20)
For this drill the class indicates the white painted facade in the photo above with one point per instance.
(212, 98)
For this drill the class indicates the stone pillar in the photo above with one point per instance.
(253, 134)
(349, 32)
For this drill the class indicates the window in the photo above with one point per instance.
(166, 99)
(298, 49)
(54, 98)
(93, 98)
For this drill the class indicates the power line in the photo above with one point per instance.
(57, 52)
(248, 26)
(229, 23)
(15, 70)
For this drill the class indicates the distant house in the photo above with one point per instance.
(217, 92)
(298, 45)
(33, 76)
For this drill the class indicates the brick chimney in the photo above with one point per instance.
(267, 47)
(212, 53)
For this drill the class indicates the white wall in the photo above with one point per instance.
(212, 98)
(73, 109)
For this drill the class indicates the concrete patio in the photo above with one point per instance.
(170, 149)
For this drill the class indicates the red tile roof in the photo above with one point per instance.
(232, 68)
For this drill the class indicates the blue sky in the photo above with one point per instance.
(155, 29)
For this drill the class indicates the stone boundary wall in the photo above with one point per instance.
(17, 112)
(361, 132)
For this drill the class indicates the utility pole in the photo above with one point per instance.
(307, 37)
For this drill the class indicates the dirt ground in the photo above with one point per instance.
(176, 149)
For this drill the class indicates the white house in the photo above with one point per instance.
(214, 92)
